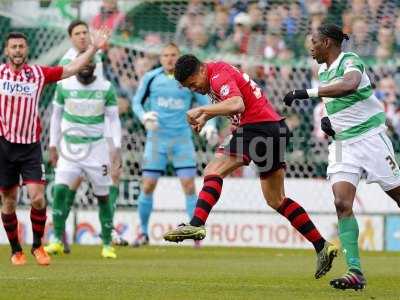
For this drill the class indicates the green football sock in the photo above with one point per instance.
(70, 201)
(59, 209)
(105, 216)
(348, 234)
(113, 196)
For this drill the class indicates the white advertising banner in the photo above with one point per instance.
(223, 229)
(244, 194)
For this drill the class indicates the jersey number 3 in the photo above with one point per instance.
(254, 87)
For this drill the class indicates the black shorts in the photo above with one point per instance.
(263, 143)
(20, 161)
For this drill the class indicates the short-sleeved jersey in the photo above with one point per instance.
(358, 114)
(226, 82)
(162, 94)
(19, 100)
(84, 108)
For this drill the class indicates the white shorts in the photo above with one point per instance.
(92, 160)
(373, 155)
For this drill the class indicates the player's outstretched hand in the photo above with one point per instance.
(295, 94)
(53, 156)
(193, 115)
(100, 37)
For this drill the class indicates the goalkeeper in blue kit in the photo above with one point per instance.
(161, 104)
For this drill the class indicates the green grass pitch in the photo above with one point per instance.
(178, 272)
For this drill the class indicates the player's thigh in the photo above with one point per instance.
(68, 172)
(267, 144)
(9, 169)
(379, 161)
(344, 158)
(97, 168)
(155, 157)
(183, 153)
(223, 164)
(32, 167)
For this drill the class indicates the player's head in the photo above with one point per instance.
(329, 37)
(169, 56)
(16, 48)
(86, 75)
(78, 31)
(192, 73)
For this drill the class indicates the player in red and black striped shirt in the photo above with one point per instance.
(21, 86)
(261, 136)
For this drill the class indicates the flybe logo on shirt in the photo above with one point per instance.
(170, 103)
(12, 88)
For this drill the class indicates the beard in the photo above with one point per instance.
(17, 60)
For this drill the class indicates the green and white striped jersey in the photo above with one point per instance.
(359, 114)
(84, 108)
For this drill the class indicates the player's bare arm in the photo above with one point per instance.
(230, 106)
(99, 40)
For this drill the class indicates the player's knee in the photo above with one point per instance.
(37, 200)
(275, 201)
(188, 187)
(344, 207)
(102, 199)
(9, 203)
(213, 169)
(149, 186)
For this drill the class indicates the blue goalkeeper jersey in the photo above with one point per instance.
(163, 94)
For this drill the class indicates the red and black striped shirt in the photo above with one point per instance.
(19, 101)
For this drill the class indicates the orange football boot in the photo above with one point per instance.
(41, 256)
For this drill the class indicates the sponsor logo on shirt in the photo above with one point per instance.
(12, 88)
(224, 91)
(170, 103)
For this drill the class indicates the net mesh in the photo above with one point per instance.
(267, 39)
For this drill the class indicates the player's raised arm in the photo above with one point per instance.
(99, 39)
(346, 86)
(55, 125)
(111, 113)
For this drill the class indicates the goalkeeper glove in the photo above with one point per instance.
(326, 127)
(150, 120)
(295, 94)
(211, 134)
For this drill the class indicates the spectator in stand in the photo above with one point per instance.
(397, 33)
(222, 29)
(109, 16)
(239, 43)
(386, 92)
(256, 17)
(356, 9)
(196, 14)
(274, 44)
(360, 41)
(385, 48)
(197, 38)
(274, 21)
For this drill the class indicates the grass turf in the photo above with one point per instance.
(187, 273)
